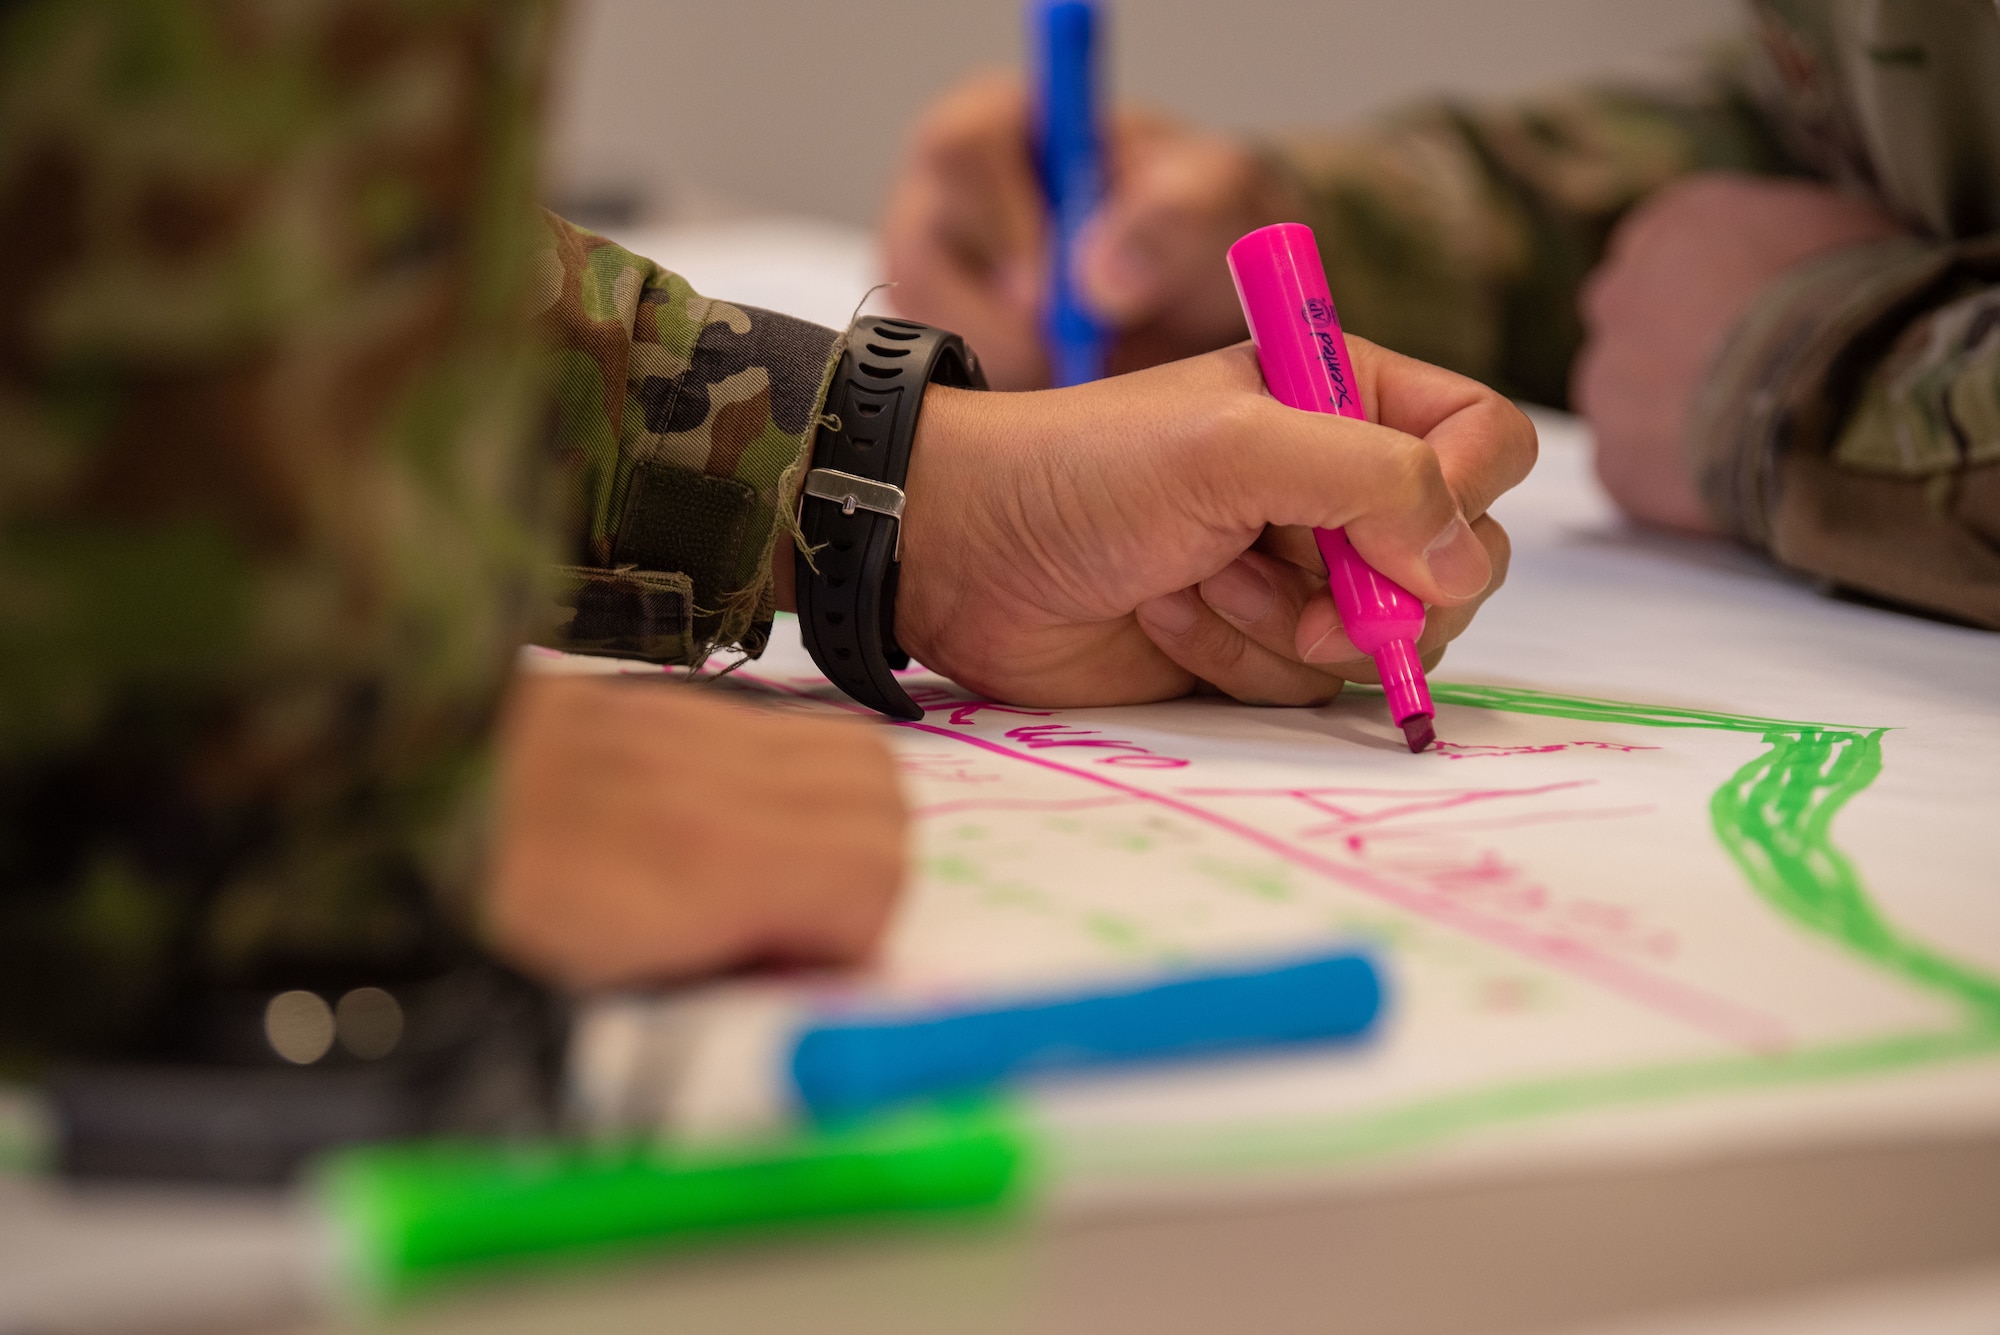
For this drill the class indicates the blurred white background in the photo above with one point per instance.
(684, 110)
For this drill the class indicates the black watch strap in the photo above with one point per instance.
(851, 503)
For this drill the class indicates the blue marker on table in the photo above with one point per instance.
(1071, 162)
(756, 1057)
(855, 1065)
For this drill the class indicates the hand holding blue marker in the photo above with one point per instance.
(1070, 158)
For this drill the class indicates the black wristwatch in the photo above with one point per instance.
(851, 505)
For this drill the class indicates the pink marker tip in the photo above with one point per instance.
(1282, 285)
(1418, 732)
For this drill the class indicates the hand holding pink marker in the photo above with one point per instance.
(1282, 285)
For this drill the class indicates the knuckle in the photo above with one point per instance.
(1286, 686)
(1208, 447)
(1219, 646)
(1499, 548)
(1412, 467)
(1235, 417)
(1523, 438)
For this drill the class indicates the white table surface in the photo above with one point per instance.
(1901, 1235)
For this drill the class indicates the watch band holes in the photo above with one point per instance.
(900, 335)
(880, 372)
(866, 409)
(835, 581)
(835, 618)
(843, 544)
(881, 351)
(843, 654)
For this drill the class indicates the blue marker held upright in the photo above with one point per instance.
(1071, 161)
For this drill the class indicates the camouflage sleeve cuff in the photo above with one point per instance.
(682, 420)
(1787, 376)
(1851, 424)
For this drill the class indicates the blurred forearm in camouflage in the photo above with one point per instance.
(1462, 234)
(277, 496)
(1852, 425)
(268, 512)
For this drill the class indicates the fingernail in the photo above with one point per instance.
(1457, 562)
(1333, 647)
(1172, 614)
(1239, 592)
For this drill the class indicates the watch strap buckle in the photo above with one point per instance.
(851, 492)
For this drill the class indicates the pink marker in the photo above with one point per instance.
(1282, 285)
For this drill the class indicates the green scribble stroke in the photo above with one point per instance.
(1514, 700)
(1421, 1123)
(1775, 817)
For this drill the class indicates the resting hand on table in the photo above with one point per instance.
(1679, 274)
(964, 235)
(649, 830)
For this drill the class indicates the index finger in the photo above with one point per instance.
(1484, 444)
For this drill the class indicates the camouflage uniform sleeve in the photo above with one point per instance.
(1462, 234)
(682, 421)
(1851, 425)
(271, 508)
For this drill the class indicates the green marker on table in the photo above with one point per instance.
(407, 1216)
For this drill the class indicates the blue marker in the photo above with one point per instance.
(1071, 161)
(853, 1066)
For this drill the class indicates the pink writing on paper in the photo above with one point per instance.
(1043, 736)
(1417, 835)
(1400, 847)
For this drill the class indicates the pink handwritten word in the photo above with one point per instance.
(1458, 751)
(1059, 804)
(963, 710)
(1498, 886)
(1041, 736)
